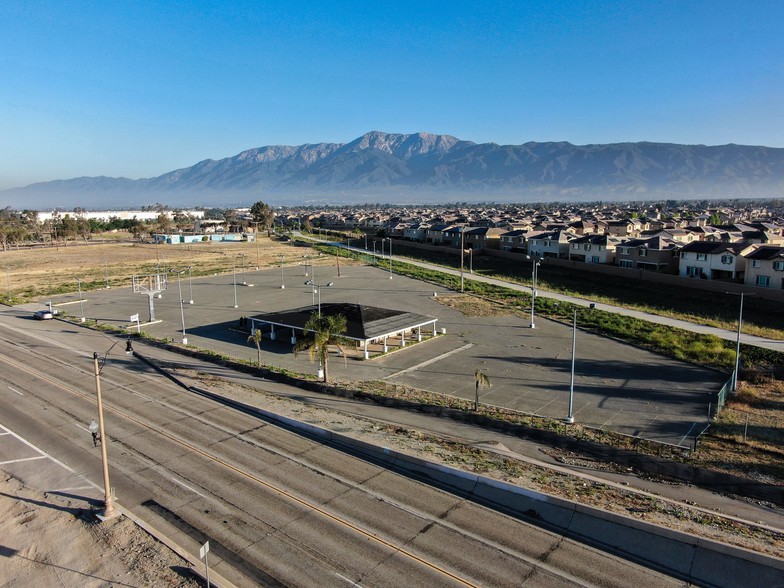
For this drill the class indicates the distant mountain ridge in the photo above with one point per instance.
(427, 168)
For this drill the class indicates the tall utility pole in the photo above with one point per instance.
(108, 509)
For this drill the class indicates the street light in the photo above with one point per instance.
(390, 257)
(182, 312)
(317, 288)
(737, 344)
(570, 415)
(462, 257)
(234, 275)
(99, 432)
(106, 271)
(81, 303)
(282, 285)
(190, 283)
(534, 277)
(256, 239)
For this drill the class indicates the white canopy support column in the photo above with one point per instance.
(367, 354)
(386, 348)
(272, 332)
(293, 337)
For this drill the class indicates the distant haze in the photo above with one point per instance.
(426, 168)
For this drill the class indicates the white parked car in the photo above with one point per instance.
(43, 315)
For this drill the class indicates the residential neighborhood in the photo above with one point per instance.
(738, 242)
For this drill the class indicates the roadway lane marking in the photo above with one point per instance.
(429, 361)
(71, 489)
(342, 577)
(2, 463)
(15, 390)
(187, 487)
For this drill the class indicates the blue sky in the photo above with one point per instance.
(140, 88)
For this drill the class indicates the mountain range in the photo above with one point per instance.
(426, 168)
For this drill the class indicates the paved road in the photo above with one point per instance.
(278, 509)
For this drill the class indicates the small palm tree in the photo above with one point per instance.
(256, 338)
(480, 379)
(319, 333)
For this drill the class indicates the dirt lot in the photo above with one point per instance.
(32, 274)
(47, 540)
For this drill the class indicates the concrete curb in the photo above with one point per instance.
(196, 566)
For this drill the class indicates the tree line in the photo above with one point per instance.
(19, 228)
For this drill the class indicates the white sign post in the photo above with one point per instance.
(135, 319)
(205, 549)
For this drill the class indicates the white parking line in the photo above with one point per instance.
(15, 390)
(429, 361)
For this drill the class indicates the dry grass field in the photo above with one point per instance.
(32, 274)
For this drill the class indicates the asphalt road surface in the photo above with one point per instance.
(278, 509)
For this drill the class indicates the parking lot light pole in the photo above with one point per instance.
(317, 288)
(570, 415)
(81, 302)
(190, 283)
(462, 258)
(390, 257)
(737, 343)
(182, 311)
(534, 276)
(234, 275)
(282, 284)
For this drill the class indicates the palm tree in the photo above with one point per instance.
(480, 379)
(256, 338)
(320, 332)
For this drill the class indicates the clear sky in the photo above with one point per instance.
(139, 88)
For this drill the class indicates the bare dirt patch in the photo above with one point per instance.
(47, 540)
(35, 273)
(474, 306)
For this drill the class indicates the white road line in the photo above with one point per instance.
(85, 429)
(342, 577)
(145, 397)
(187, 487)
(429, 361)
(15, 390)
(2, 463)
